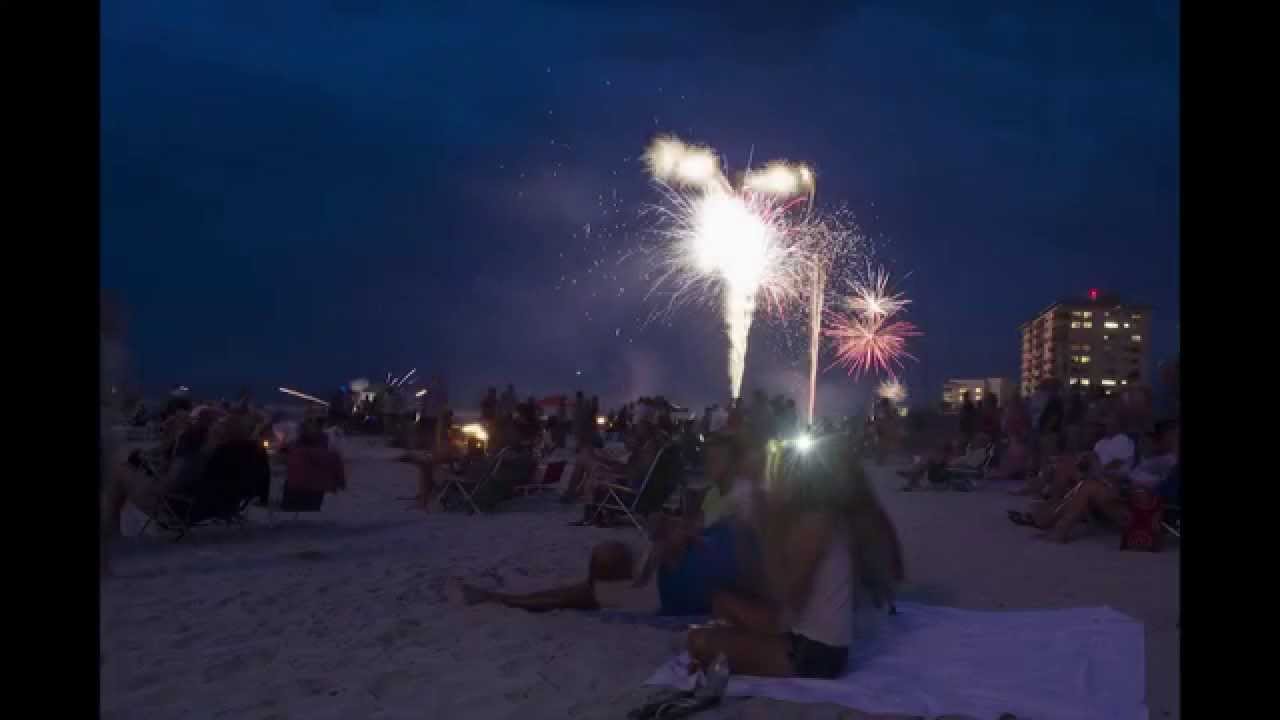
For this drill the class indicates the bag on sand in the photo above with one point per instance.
(1143, 531)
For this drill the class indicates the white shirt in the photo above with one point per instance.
(1153, 471)
(827, 615)
(1116, 447)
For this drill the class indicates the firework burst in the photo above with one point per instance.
(865, 338)
(865, 343)
(739, 245)
(872, 297)
(893, 391)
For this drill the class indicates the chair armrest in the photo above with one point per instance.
(620, 488)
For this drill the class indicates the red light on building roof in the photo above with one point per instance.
(1093, 294)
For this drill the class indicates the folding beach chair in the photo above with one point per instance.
(218, 494)
(551, 475)
(509, 470)
(459, 484)
(664, 474)
(966, 478)
(1172, 520)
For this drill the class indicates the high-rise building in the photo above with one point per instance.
(953, 391)
(1090, 342)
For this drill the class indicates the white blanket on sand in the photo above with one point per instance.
(1084, 663)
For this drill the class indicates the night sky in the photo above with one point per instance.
(299, 193)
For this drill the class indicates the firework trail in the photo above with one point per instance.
(816, 297)
(738, 243)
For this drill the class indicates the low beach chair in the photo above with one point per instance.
(509, 470)
(664, 475)
(550, 480)
(967, 477)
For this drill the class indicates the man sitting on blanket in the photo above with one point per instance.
(1107, 492)
(691, 566)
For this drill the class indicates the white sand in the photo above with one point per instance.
(342, 614)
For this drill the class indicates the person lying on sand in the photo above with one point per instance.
(1106, 492)
(825, 538)
(693, 565)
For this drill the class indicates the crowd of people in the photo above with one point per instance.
(785, 543)
(1084, 454)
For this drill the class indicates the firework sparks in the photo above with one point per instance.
(865, 342)
(893, 391)
(739, 244)
(779, 178)
(872, 298)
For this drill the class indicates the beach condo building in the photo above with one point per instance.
(1094, 341)
(953, 391)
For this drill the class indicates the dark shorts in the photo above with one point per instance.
(812, 659)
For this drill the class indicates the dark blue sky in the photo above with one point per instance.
(303, 192)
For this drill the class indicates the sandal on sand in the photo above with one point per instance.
(680, 705)
(1023, 519)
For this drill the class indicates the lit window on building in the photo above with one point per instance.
(1075, 380)
(1111, 325)
(1108, 381)
(1087, 314)
(1084, 381)
(1088, 325)
(1136, 338)
(1126, 326)
(1075, 324)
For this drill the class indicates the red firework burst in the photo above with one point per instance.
(866, 342)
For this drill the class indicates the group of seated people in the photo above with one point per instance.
(215, 457)
(785, 546)
(982, 457)
(1110, 482)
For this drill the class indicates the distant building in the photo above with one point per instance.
(1095, 341)
(953, 391)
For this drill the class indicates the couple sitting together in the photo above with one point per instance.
(787, 545)
(1106, 481)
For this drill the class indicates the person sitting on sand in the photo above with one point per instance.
(932, 467)
(690, 568)
(825, 540)
(1107, 492)
(1014, 462)
(1111, 457)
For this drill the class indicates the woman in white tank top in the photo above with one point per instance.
(826, 540)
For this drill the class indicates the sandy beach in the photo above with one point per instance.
(342, 614)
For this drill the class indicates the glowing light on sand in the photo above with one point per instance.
(477, 431)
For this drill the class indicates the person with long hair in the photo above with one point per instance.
(829, 548)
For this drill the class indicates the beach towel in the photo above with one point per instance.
(1075, 664)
